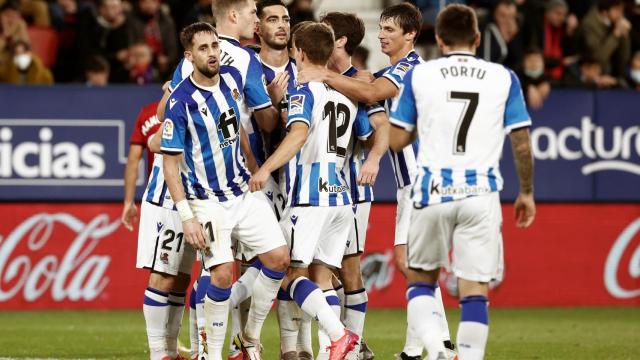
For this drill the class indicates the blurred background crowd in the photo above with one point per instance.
(592, 44)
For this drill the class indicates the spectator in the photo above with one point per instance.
(65, 17)
(25, 68)
(156, 28)
(97, 71)
(555, 33)
(201, 11)
(301, 10)
(13, 26)
(35, 12)
(605, 35)
(501, 39)
(634, 72)
(535, 84)
(141, 70)
(589, 75)
(360, 57)
(108, 34)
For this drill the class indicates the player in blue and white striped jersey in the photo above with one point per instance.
(206, 176)
(320, 124)
(461, 120)
(399, 28)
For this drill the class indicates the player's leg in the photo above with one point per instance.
(325, 279)
(201, 293)
(477, 256)
(177, 298)
(193, 323)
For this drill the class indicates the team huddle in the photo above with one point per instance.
(267, 160)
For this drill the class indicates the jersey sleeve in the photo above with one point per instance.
(403, 110)
(182, 71)
(137, 138)
(255, 87)
(174, 128)
(515, 110)
(300, 106)
(397, 73)
(362, 125)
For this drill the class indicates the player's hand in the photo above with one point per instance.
(368, 172)
(259, 180)
(193, 233)
(525, 210)
(129, 215)
(305, 76)
(365, 75)
(278, 87)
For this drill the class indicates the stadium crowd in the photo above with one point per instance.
(551, 43)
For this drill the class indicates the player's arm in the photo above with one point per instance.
(173, 136)
(379, 144)
(288, 148)
(267, 118)
(257, 96)
(166, 92)
(129, 211)
(403, 116)
(517, 123)
(399, 138)
(366, 92)
(250, 159)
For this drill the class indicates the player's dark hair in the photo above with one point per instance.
(261, 5)
(608, 4)
(221, 7)
(405, 15)
(457, 25)
(316, 40)
(347, 25)
(187, 34)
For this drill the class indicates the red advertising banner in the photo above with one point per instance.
(55, 256)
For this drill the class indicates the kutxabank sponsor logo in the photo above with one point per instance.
(614, 264)
(40, 152)
(606, 149)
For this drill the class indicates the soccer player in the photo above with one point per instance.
(320, 124)
(160, 247)
(360, 173)
(399, 28)
(207, 177)
(460, 119)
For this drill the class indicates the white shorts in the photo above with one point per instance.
(277, 201)
(247, 218)
(161, 246)
(469, 228)
(358, 233)
(317, 233)
(403, 215)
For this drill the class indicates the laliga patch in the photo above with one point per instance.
(401, 69)
(296, 104)
(167, 130)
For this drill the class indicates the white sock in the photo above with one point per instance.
(423, 316)
(355, 308)
(474, 328)
(340, 292)
(193, 322)
(311, 300)
(289, 315)
(323, 338)
(201, 321)
(242, 288)
(236, 325)
(265, 291)
(176, 310)
(444, 325)
(216, 308)
(156, 316)
(413, 345)
(304, 333)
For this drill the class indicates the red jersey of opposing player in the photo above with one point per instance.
(147, 124)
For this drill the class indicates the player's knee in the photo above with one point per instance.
(162, 282)
(277, 259)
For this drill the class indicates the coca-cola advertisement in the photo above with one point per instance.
(60, 256)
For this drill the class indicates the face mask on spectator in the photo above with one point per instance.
(22, 61)
(635, 75)
(534, 74)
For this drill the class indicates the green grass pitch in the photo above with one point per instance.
(583, 333)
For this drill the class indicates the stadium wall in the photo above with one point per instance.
(62, 156)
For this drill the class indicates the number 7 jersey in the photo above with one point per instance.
(461, 108)
(332, 118)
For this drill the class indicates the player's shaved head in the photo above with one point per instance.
(457, 25)
(315, 40)
(348, 25)
(405, 15)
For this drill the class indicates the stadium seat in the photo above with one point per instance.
(44, 43)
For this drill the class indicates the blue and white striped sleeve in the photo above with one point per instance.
(255, 86)
(362, 126)
(403, 110)
(515, 110)
(300, 106)
(397, 72)
(174, 127)
(182, 71)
